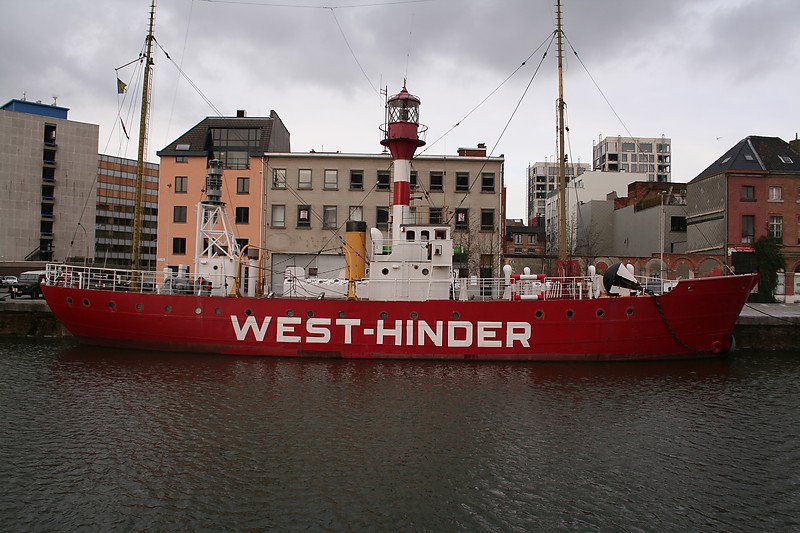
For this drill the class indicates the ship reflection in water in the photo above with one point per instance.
(105, 439)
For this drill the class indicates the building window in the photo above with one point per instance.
(532, 239)
(241, 243)
(462, 181)
(278, 178)
(278, 219)
(303, 216)
(331, 179)
(487, 219)
(304, 178)
(329, 217)
(179, 213)
(383, 180)
(786, 159)
(462, 219)
(748, 228)
(677, 223)
(382, 218)
(486, 265)
(646, 147)
(775, 194)
(517, 238)
(181, 184)
(242, 185)
(179, 245)
(748, 193)
(776, 228)
(413, 180)
(181, 159)
(356, 212)
(357, 180)
(437, 181)
(242, 215)
(435, 215)
(487, 182)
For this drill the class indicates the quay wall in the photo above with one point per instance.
(760, 326)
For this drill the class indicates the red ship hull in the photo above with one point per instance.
(695, 319)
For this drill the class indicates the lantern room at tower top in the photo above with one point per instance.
(402, 131)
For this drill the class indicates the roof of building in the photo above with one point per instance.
(197, 140)
(36, 108)
(770, 155)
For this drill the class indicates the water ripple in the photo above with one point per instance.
(107, 440)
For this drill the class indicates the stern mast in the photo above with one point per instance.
(562, 181)
(144, 123)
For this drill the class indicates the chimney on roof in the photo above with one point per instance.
(241, 113)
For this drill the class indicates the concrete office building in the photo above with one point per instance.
(651, 156)
(48, 166)
(542, 180)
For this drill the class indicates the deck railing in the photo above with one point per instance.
(465, 289)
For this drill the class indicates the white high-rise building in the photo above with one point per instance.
(542, 179)
(651, 156)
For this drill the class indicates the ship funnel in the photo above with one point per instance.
(214, 182)
(355, 253)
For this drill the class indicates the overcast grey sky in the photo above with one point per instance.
(705, 73)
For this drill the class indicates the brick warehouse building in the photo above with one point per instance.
(752, 189)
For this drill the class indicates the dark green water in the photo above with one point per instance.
(102, 440)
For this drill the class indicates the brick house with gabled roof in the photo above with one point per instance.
(752, 189)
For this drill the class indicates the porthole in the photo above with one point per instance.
(425, 271)
(289, 313)
(69, 301)
(385, 271)
(168, 308)
(139, 307)
(249, 312)
(85, 302)
(217, 311)
(309, 314)
(629, 311)
(456, 316)
(413, 316)
(600, 313)
(539, 314)
(112, 305)
(384, 315)
(570, 313)
(341, 314)
(198, 310)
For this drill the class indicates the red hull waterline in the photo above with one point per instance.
(694, 320)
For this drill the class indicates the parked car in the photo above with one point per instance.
(8, 281)
(28, 284)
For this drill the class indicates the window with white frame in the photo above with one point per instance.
(776, 227)
(775, 194)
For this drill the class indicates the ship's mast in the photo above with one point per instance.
(144, 123)
(562, 181)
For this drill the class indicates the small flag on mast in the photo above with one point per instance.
(121, 86)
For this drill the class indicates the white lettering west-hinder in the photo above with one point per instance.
(440, 333)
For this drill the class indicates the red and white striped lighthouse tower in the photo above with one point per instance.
(402, 136)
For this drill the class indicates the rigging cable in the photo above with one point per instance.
(513, 113)
(551, 37)
(180, 66)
